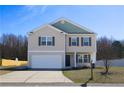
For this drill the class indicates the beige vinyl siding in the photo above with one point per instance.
(46, 31)
(80, 48)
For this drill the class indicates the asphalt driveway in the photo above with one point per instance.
(34, 77)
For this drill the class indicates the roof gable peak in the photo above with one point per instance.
(63, 20)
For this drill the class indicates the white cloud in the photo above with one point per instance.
(29, 12)
(29, 7)
(36, 9)
(33, 11)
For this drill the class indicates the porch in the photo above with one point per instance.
(78, 59)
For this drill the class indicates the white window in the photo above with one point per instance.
(47, 41)
(86, 58)
(83, 58)
(79, 59)
(86, 41)
(43, 40)
(73, 41)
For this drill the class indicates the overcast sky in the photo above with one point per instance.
(103, 20)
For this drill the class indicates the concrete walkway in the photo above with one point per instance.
(40, 84)
(34, 77)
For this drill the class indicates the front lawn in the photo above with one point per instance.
(82, 75)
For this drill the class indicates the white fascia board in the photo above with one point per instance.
(82, 34)
(36, 29)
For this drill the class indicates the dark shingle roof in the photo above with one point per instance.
(70, 28)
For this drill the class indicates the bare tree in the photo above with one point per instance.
(13, 46)
(105, 52)
(91, 70)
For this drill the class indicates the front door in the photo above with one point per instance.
(67, 61)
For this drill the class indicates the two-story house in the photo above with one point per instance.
(61, 44)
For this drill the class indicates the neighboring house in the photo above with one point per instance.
(61, 44)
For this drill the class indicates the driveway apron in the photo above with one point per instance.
(34, 77)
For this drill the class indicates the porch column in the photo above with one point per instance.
(74, 59)
(93, 57)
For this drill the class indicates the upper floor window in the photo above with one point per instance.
(86, 41)
(73, 41)
(47, 41)
(43, 40)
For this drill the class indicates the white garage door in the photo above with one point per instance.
(46, 61)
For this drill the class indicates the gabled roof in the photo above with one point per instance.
(70, 27)
(45, 25)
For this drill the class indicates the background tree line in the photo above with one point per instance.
(13, 46)
(109, 48)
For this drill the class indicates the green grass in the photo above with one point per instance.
(82, 75)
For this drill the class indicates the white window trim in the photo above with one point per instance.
(88, 41)
(83, 58)
(42, 40)
(46, 40)
(76, 41)
(86, 58)
(78, 58)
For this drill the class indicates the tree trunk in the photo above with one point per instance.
(106, 66)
